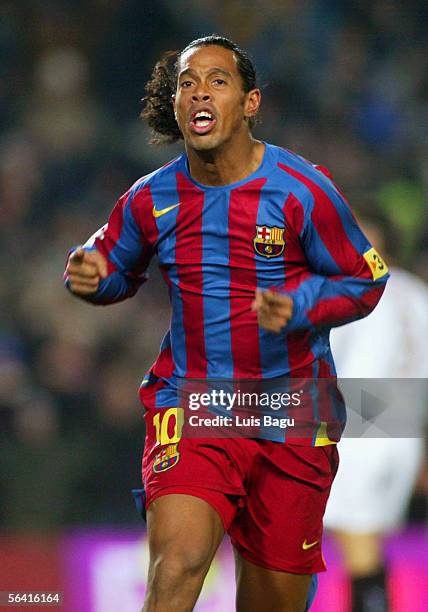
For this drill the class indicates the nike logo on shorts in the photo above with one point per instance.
(306, 546)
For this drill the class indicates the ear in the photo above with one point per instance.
(173, 97)
(252, 102)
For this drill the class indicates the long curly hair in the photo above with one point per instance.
(158, 111)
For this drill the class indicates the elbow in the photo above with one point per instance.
(371, 298)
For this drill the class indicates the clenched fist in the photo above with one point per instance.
(273, 310)
(84, 270)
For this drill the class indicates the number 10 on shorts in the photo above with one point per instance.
(169, 425)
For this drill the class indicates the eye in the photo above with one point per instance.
(219, 81)
(186, 84)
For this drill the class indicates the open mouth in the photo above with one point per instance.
(202, 122)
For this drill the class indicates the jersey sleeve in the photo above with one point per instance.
(127, 251)
(347, 275)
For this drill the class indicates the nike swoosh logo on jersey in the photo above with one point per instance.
(306, 546)
(159, 213)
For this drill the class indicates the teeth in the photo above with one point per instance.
(203, 114)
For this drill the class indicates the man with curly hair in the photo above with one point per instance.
(262, 257)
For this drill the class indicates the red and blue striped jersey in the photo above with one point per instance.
(286, 226)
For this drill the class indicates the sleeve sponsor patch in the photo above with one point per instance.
(377, 266)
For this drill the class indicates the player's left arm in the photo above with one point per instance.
(347, 275)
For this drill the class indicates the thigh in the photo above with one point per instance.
(280, 528)
(184, 533)
(183, 527)
(260, 589)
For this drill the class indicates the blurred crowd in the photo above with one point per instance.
(345, 84)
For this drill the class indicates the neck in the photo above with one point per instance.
(228, 164)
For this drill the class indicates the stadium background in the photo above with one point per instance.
(345, 83)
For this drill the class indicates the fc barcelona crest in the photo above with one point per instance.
(166, 459)
(269, 241)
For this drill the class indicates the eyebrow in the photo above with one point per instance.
(216, 69)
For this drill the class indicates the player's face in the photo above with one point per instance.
(210, 103)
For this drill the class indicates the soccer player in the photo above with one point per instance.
(261, 256)
(390, 343)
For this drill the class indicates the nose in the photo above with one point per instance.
(200, 94)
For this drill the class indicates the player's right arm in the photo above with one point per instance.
(84, 271)
(111, 265)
